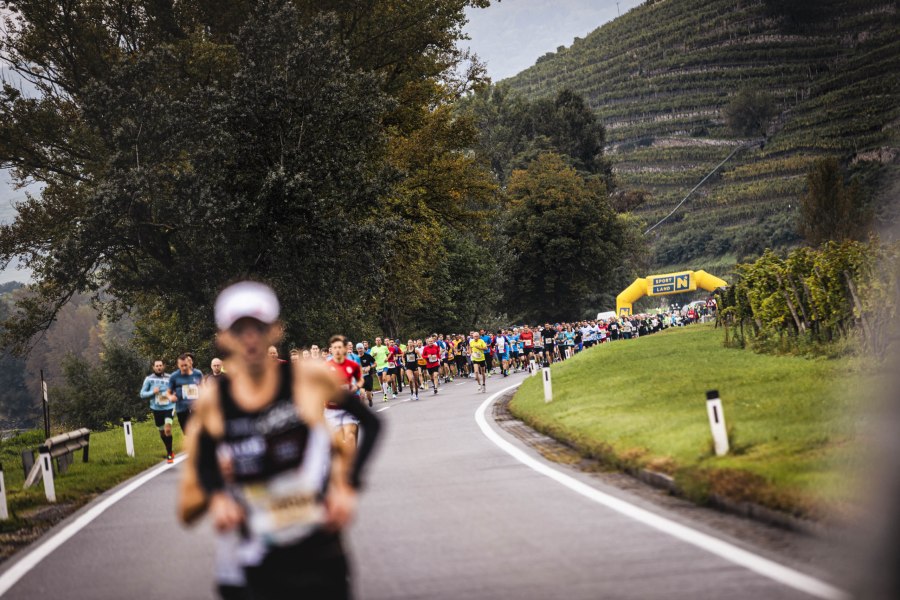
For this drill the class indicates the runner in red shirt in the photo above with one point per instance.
(349, 373)
(432, 355)
(527, 339)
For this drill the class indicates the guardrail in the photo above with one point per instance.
(61, 447)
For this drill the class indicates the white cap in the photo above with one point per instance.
(246, 299)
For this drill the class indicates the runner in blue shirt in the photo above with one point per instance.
(184, 388)
(155, 389)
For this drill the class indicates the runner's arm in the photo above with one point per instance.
(147, 389)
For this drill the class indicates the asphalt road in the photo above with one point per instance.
(447, 514)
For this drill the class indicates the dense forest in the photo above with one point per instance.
(680, 84)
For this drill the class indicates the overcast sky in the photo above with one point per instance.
(510, 35)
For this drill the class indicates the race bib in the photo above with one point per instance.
(282, 511)
(432, 358)
(392, 365)
(190, 391)
(162, 399)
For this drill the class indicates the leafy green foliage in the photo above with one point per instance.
(813, 298)
(566, 242)
(183, 145)
(515, 131)
(98, 395)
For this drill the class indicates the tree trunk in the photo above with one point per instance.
(787, 297)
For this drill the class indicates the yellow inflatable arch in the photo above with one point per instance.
(662, 285)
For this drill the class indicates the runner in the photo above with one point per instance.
(501, 342)
(349, 374)
(548, 337)
(514, 351)
(420, 365)
(184, 389)
(380, 353)
(366, 363)
(216, 370)
(154, 389)
(449, 362)
(432, 355)
(461, 352)
(410, 365)
(477, 349)
(527, 338)
(265, 460)
(393, 358)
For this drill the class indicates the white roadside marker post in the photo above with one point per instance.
(717, 422)
(548, 385)
(4, 511)
(533, 368)
(47, 470)
(129, 439)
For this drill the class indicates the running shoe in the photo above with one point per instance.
(370, 402)
(435, 390)
(170, 459)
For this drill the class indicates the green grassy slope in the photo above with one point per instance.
(108, 465)
(660, 75)
(642, 404)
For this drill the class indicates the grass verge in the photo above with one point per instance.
(642, 404)
(108, 465)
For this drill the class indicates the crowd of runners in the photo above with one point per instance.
(278, 447)
(388, 366)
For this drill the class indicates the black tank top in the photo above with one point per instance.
(266, 442)
(279, 465)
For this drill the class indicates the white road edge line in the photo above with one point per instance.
(33, 558)
(382, 409)
(722, 549)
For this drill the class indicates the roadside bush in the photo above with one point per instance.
(97, 396)
(813, 301)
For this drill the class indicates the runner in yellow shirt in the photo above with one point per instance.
(477, 348)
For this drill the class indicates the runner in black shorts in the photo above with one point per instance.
(548, 335)
(367, 363)
(411, 366)
(462, 362)
(155, 389)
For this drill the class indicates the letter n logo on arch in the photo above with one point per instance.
(682, 282)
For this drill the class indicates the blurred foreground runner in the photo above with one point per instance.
(264, 464)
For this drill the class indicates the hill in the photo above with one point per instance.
(660, 77)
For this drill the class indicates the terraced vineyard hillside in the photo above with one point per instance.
(660, 75)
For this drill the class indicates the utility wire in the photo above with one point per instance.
(702, 181)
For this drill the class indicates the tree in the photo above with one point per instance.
(96, 395)
(566, 241)
(515, 131)
(749, 112)
(18, 407)
(181, 145)
(830, 209)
